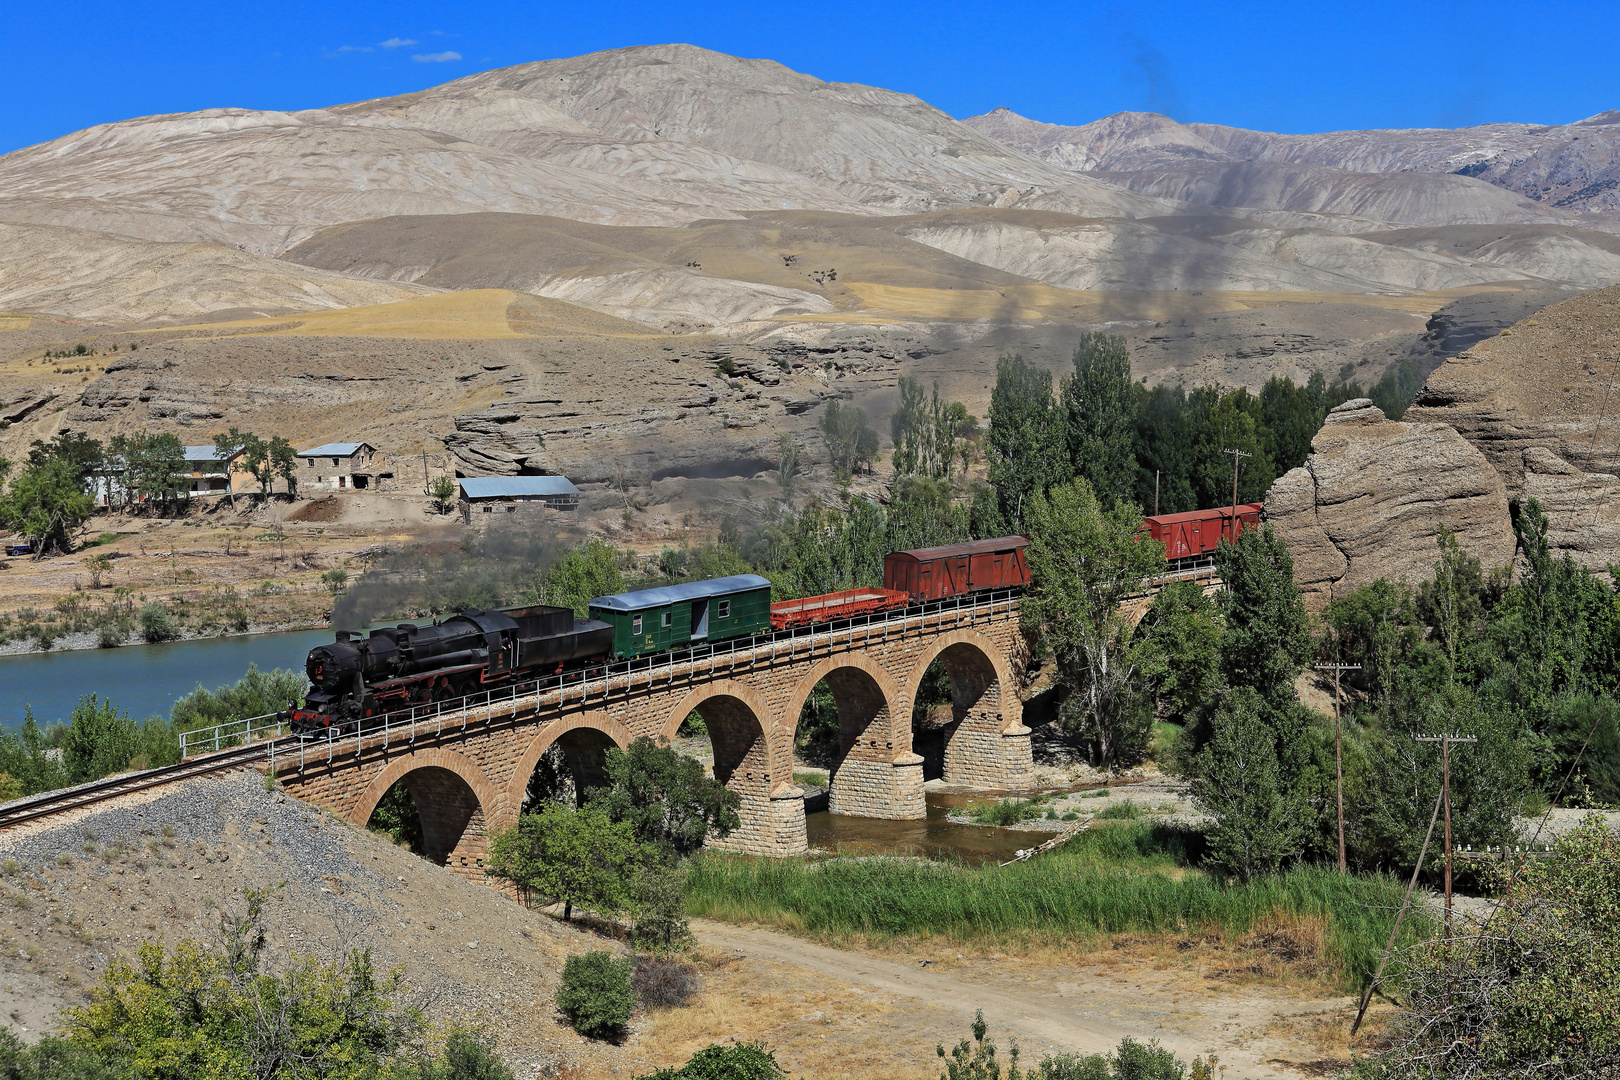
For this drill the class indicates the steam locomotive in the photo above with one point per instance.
(358, 676)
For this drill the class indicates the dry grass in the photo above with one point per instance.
(821, 1032)
(1029, 303)
(474, 313)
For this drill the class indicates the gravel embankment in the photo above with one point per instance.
(164, 864)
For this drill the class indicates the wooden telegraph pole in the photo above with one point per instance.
(1338, 748)
(1445, 742)
(1155, 492)
(1236, 456)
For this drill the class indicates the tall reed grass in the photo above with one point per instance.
(1127, 879)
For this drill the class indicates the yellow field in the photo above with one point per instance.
(15, 322)
(473, 313)
(1034, 303)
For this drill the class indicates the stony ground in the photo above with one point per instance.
(163, 866)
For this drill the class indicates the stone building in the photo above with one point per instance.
(214, 474)
(340, 466)
(506, 494)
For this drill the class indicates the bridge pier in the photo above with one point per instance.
(468, 767)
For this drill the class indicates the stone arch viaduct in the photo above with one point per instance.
(467, 770)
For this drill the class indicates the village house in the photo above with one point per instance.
(340, 466)
(491, 494)
(212, 473)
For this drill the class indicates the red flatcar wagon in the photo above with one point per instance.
(1193, 535)
(935, 573)
(830, 606)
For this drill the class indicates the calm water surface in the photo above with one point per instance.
(143, 680)
(932, 838)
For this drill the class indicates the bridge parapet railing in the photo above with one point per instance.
(598, 683)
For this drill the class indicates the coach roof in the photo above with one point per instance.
(674, 594)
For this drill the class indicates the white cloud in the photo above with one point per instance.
(349, 49)
(436, 58)
(395, 43)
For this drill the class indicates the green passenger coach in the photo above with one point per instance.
(656, 620)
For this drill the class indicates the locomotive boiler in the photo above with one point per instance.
(361, 675)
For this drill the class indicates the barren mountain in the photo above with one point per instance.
(1551, 169)
(117, 279)
(662, 183)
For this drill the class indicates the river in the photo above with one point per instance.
(934, 837)
(142, 680)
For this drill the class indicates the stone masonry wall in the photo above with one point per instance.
(468, 771)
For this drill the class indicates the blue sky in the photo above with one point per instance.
(1273, 66)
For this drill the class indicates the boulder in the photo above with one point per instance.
(1372, 497)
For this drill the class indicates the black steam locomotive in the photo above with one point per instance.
(359, 676)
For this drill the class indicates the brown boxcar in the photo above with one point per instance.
(935, 573)
(830, 606)
(1195, 533)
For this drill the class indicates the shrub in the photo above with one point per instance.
(1129, 810)
(742, 1061)
(465, 1057)
(110, 636)
(663, 984)
(157, 624)
(1005, 812)
(595, 994)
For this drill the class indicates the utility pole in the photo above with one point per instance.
(426, 486)
(1236, 456)
(1338, 748)
(1445, 742)
(1155, 492)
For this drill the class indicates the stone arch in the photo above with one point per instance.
(876, 774)
(584, 737)
(985, 741)
(751, 759)
(453, 797)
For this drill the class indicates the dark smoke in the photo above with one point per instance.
(491, 568)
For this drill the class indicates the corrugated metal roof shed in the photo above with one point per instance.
(333, 449)
(206, 454)
(673, 594)
(507, 487)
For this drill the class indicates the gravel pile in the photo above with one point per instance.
(164, 864)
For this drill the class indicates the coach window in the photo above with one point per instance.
(635, 624)
(725, 610)
(664, 621)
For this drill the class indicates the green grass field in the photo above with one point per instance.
(1131, 878)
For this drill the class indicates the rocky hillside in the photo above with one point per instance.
(1541, 172)
(612, 170)
(1526, 413)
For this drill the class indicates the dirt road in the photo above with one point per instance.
(1086, 1007)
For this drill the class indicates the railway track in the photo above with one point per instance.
(56, 802)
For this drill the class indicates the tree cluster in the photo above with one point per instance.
(1132, 443)
(618, 852)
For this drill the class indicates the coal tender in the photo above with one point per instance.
(364, 675)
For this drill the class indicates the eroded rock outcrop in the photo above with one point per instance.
(1582, 508)
(1374, 494)
(1547, 381)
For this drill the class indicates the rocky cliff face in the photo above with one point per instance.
(1547, 381)
(1583, 509)
(1371, 499)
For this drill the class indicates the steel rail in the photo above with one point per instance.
(56, 802)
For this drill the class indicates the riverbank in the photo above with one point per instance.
(215, 572)
(87, 640)
(1125, 878)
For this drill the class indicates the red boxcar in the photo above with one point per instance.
(830, 606)
(935, 573)
(1195, 533)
